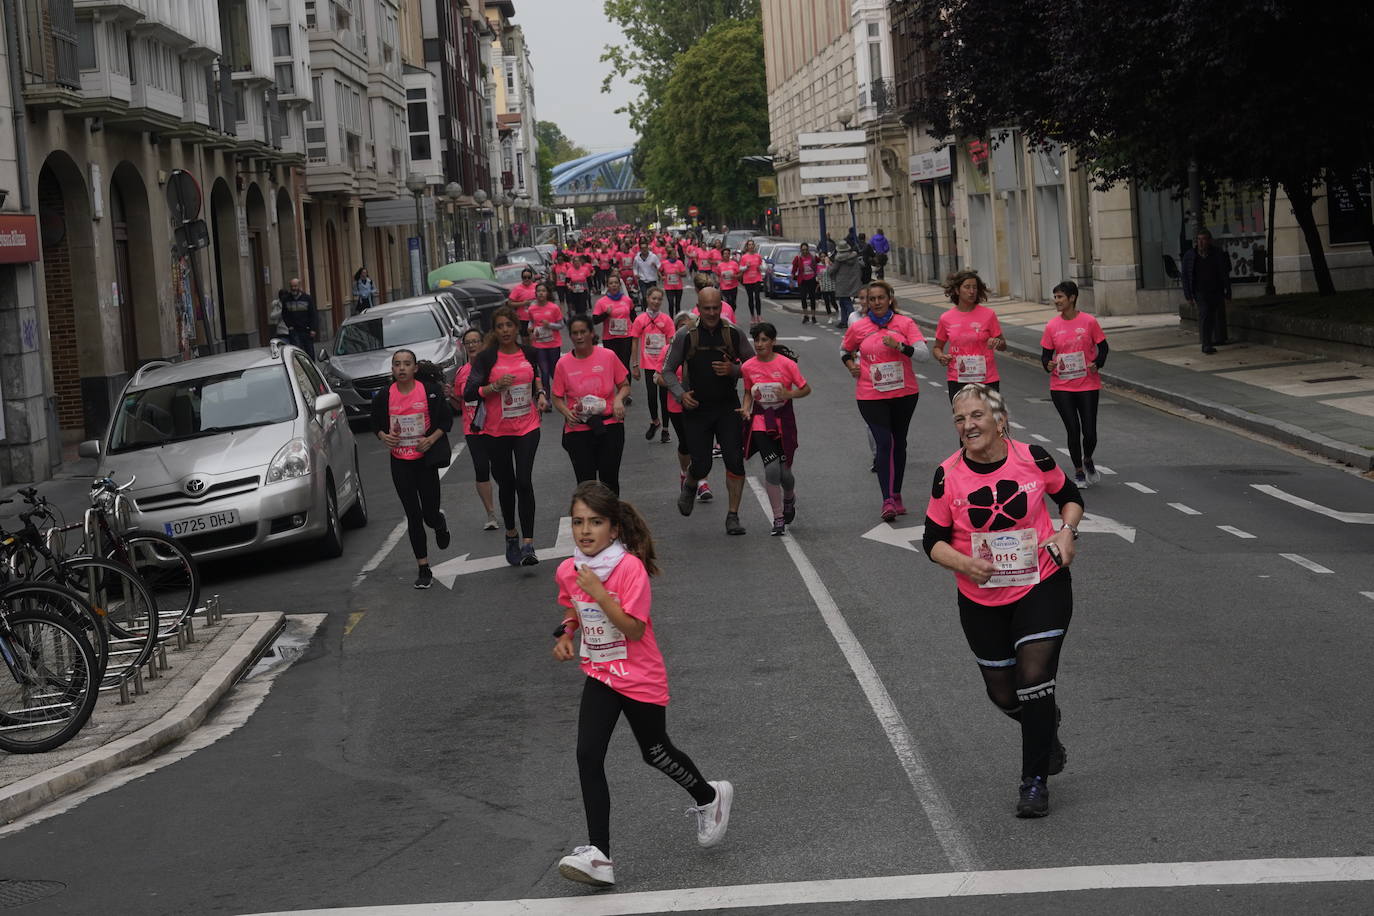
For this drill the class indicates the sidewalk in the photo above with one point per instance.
(1324, 406)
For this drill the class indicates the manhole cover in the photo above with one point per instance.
(1257, 472)
(15, 893)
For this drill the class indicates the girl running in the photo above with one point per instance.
(652, 331)
(674, 416)
(412, 418)
(967, 334)
(825, 283)
(1073, 351)
(804, 280)
(727, 273)
(590, 386)
(546, 323)
(772, 382)
(674, 277)
(520, 298)
(579, 276)
(751, 265)
(505, 376)
(605, 587)
(616, 310)
(477, 443)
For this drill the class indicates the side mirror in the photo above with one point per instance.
(324, 355)
(89, 449)
(326, 403)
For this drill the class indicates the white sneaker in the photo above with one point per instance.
(491, 522)
(587, 865)
(1094, 475)
(712, 819)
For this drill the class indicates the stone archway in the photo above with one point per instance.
(140, 327)
(260, 277)
(224, 233)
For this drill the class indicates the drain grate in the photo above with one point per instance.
(1333, 378)
(15, 893)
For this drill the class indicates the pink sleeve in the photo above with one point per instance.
(618, 371)
(851, 338)
(942, 328)
(1047, 338)
(562, 577)
(560, 379)
(937, 510)
(1097, 334)
(635, 594)
(996, 326)
(798, 380)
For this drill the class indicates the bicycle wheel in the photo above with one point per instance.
(48, 683)
(26, 595)
(124, 603)
(167, 569)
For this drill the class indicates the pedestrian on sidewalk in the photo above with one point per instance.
(865, 258)
(988, 524)
(412, 418)
(825, 285)
(846, 275)
(1073, 351)
(605, 585)
(1207, 286)
(477, 443)
(364, 291)
(299, 316)
(967, 334)
(804, 279)
(880, 248)
(772, 382)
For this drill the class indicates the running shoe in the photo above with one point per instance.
(653, 428)
(704, 492)
(588, 865)
(889, 510)
(687, 497)
(789, 509)
(664, 437)
(779, 526)
(897, 503)
(628, 401)
(732, 524)
(713, 819)
(1094, 475)
(1081, 480)
(441, 535)
(528, 556)
(491, 522)
(513, 550)
(1034, 800)
(425, 578)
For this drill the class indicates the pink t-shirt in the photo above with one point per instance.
(512, 412)
(1009, 499)
(803, 268)
(640, 673)
(752, 265)
(655, 332)
(728, 272)
(560, 273)
(469, 407)
(967, 333)
(674, 272)
(409, 419)
(598, 375)
(543, 338)
(711, 256)
(778, 371)
(1075, 347)
(577, 277)
(522, 295)
(674, 405)
(883, 371)
(618, 312)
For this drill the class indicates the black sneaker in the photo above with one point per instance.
(664, 437)
(513, 550)
(425, 578)
(1034, 800)
(686, 498)
(732, 525)
(528, 556)
(441, 535)
(1058, 756)
(779, 527)
(653, 428)
(789, 509)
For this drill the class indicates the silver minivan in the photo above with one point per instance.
(236, 452)
(358, 361)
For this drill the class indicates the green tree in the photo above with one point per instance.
(714, 110)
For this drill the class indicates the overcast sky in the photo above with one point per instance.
(565, 39)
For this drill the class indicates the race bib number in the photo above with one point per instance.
(593, 406)
(410, 428)
(1072, 366)
(1012, 555)
(971, 368)
(515, 401)
(887, 376)
(673, 277)
(727, 275)
(543, 334)
(620, 327)
(768, 394)
(579, 287)
(602, 640)
(654, 343)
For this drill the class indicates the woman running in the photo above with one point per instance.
(412, 418)
(877, 350)
(616, 311)
(674, 278)
(727, 274)
(520, 298)
(589, 389)
(505, 376)
(772, 382)
(804, 279)
(546, 324)
(967, 334)
(560, 276)
(579, 276)
(605, 590)
(477, 443)
(987, 523)
(825, 283)
(1073, 351)
(674, 416)
(751, 267)
(652, 331)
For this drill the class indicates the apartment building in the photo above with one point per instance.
(514, 146)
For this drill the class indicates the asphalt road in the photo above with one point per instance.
(1214, 695)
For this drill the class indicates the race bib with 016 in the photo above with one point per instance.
(1012, 555)
(1072, 366)
(654, 343)
(768, 394)
(543, 334)
(409, 428)
(602, 640)
(971, 368)
(887, 376)
(515, 401)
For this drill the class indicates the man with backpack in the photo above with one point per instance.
(712, 353)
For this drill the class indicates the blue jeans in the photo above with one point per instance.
(846, 304)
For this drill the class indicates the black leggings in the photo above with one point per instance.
(676, 420)
(955, 387)
(807, 293)
(597, 457)
(730, 295)
(622, 347)
(889, 419)
(418, 488)
(548, 359)
(674, 301)
(481, 456)
(512, 466)
(596, 720)
(577, 304)
(754, 292)
(1078, 410)
(706, 427)
(658, 396)
(828, 297)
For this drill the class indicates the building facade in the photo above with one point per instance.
(514, 148)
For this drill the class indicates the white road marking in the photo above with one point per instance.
(1106, 470)
(399, 531)
(904, 538)
(1306, 563)
(947, 830)
(1139, 486)
(921, 377)
(1039, 438)
(446, 572)
(1369, 595)
(1350, 518)
(1092, 523)
(1236, 531)
(1232, 873)
(1015, 425)
(1186, 510)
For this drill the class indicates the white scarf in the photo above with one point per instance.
(604, 563)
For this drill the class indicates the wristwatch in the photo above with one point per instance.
(1071, 528)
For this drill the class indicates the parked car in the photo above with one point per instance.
(735, 238)
(358, 363)
(531, 256)
(778, 270)
(241, 451)
(508, 275)
(480, 299)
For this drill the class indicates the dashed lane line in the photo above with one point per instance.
(1305, 563)
(399, 531)
(1236, 531)
(1186, 510)
(1140, 487)
(1039, 438)
(1369, 595)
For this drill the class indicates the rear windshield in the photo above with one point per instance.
(202, 407)
(385, 331)
(784, 254)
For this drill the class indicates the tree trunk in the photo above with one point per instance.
(1269, 289)
(1299, 193)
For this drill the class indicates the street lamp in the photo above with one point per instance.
(453, 190)
(524, 199)
(417, 185)
(479, 197)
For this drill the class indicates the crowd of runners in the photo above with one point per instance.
(611, 315)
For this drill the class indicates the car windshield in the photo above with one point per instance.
(783, 255)
(523, 257)
(510, 273)
(202, 407)
(384, 331)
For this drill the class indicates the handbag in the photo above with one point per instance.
(439, 454)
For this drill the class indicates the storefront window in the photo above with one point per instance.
(1236, 218)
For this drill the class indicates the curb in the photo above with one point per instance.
(190, 711)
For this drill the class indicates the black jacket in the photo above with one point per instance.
(440, 417)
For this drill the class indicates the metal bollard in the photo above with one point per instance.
(189, 627)
(139, 689)
(162, 657)
(152, 669)
(181, 639)
(124, 698)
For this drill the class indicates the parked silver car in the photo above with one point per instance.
(358, 364)
(236, 452)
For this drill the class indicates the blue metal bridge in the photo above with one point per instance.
(601, 178)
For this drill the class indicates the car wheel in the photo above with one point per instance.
(331, 542)
(356, 517)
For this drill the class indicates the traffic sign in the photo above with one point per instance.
(693, 211)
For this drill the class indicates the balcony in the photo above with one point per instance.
(882, 95)
(53, 74)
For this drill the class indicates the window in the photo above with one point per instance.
(310, 19)
(510, 75)
(873, 30)
(286, 79)
(316, 147)
(85, 44)
(520, 168)
(315, 112)
(281, 41)
(241, 102)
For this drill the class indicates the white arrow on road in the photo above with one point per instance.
(1100, 524)
(906, 538)
(446, 572)
(802, 339)
(1350, 518)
